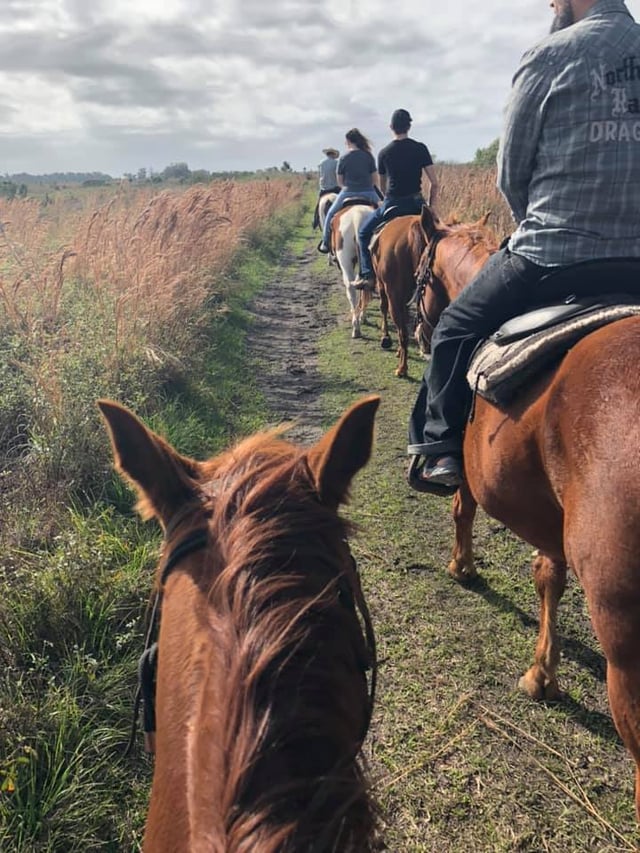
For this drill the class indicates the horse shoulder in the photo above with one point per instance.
(504, 451)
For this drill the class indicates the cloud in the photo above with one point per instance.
(113, 85)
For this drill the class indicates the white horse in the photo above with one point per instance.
(323, 207)
(344, 245)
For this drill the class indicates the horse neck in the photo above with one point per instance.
(277, 702)
(457, 262)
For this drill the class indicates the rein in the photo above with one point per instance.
(356, 601)
(147, 664)
(424, 277)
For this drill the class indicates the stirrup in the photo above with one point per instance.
(415, 481)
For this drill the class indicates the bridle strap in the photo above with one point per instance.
(145, 692)
(372, 654)
(195, 541)
(424, 277)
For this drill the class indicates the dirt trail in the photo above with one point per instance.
(290, 318)
(445, 751)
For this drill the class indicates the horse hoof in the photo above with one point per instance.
(385, 343)
(401, 372)
(356, 333)
(461, 572)
(540, 691)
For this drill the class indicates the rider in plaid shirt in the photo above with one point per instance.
(569, 159)
(569, 167)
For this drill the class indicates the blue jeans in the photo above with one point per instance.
(343, 195)
(401, 207)
(507, 285)
(504, 288)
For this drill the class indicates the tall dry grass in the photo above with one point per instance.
(155, 260)
(150, 256)
(468, 192)
(101, 294)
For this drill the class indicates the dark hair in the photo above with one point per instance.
(400, 121)
(356, 138)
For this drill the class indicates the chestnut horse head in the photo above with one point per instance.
(454, 253)
(560, 466)
(262, 691)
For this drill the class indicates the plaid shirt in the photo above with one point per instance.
(569, 157)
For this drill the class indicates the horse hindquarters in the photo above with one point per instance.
(395, 257)
(346, 224)
(605, 554)
(594, 462)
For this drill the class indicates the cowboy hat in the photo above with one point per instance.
(328, 151)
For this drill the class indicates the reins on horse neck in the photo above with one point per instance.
(145, 693)
(358, 602)
(424, 277)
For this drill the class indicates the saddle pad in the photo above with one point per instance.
(496, 370)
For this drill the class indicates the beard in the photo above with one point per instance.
(564, 16)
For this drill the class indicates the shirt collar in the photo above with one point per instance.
(602, 7)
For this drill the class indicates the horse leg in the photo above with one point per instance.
(614, 606)
(623, 686)
(462, 567)
(403, 344)
(385, 341)
(347, 268)
(550, 578)
(354, 299)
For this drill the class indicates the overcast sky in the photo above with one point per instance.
(116, 85)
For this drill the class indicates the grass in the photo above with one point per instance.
(72, 603)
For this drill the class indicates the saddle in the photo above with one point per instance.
(407, 206)
(350, 202)
(523, 346)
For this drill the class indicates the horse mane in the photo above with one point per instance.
(466, 241)
(293, 692)
(470, 234)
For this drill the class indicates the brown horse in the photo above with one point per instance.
(262, 692)
(395, 254)
(559, 466)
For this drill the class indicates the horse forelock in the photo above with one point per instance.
(291, 691)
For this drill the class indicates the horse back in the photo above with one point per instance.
(345, 225)
(559, 441)
(593, 428)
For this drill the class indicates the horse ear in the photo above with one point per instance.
(416, 241)
(343, 451)
(163, 478)
(428, 222)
